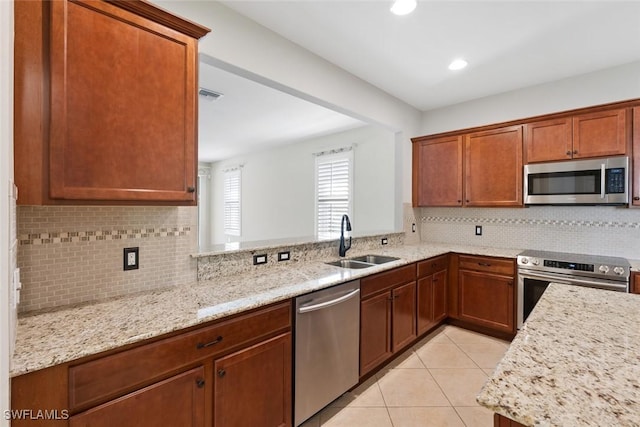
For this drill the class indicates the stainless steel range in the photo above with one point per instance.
(536, 269)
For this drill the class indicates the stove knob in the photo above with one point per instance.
(535, 261)
(619, 271)
(604, 269)
(524, 260)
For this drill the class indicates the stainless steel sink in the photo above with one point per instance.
(364, 261)
(375, 259)
(347, 263)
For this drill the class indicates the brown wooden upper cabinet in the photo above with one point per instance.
(597, 134)
(475, 169)
(437, 177)
(636, 158)
(106, 103)
(493, 167)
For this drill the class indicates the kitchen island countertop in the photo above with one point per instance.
(576, 362)
(52, 338)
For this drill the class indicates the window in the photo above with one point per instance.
(232, 202)
(333, 192)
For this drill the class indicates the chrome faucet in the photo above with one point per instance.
(343, 248)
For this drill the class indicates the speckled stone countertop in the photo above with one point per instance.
(49, 339)
(576, 362)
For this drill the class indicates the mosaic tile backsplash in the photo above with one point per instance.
(71, 254)
(597, 230)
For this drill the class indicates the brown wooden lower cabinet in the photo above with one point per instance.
(486, 289)
(253, 386)
(500, 421)
(178, 401)
(387, 315)
(375, 332)
(431, 293)
(634, 285)
(403, 313)
(233, 372)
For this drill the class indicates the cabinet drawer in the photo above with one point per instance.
(488, 264)
(384, 281)
(432, 265)
(98, 380)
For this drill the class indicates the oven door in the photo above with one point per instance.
(532, 284)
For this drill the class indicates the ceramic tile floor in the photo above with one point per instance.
(434, 383)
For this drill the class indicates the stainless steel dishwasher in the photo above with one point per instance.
(327, 353)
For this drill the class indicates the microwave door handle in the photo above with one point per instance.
(603, 173)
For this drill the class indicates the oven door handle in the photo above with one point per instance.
(600, 284)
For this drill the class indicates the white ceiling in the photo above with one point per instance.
(508, 44)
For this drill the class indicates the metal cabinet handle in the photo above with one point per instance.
(222, 373)
(636, 198)
(484, 264)
(200, 382)
(568, 152)
(209, 344)
(575, 151)
(191, 189)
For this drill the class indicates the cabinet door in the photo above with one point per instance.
(549, 140)
(252, 387)
(174, 402)
(123, 106)
(404, 315)
(487, 300)
(431, 300)
(425, 304)
(636, 157)
(600, 134)
(439, 296)
(634, 285)
(437, 172)
(375, 331)
(493, 167)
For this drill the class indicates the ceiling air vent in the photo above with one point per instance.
(209, 95)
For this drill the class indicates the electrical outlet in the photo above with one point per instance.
(284, 256)
(413, 227)
(259, 259)
(478, 230)
(384, 241)
(131, 259)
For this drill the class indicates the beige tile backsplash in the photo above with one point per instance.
(596, 230)
(70, 255)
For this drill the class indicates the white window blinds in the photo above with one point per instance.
(232, 213)
(333, 192)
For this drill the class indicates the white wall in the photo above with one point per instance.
(6, 176)
(260, 54)
(278, 186)
(600, 87)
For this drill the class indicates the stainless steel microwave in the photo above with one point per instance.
(580, 182)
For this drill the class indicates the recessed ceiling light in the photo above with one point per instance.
(457, 64)
(403, 7)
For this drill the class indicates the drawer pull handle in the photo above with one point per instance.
(484, 264)
(210, 343)
(191, 189)
(200, 382)
(222, 373)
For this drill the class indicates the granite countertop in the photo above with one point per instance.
(576, 362)
(48, 339)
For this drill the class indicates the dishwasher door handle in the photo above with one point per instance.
(320, 306)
